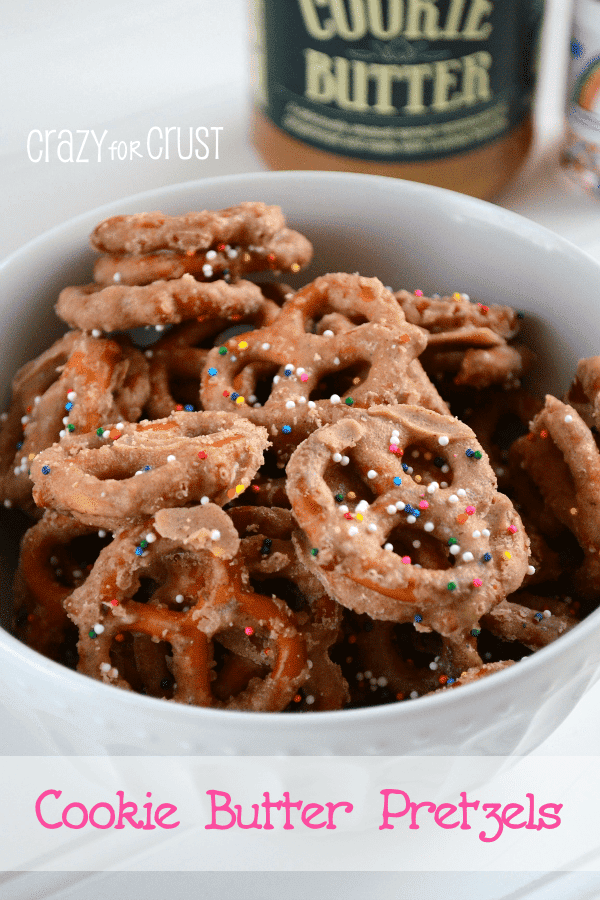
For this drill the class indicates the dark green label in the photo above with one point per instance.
(397, 80)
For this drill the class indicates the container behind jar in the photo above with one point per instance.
(437, 91)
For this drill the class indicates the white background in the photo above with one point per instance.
(128, 65)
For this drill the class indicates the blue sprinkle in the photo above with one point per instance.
(469, 452)
(397, 480)
(538, 616)
(418, 618)
(45, 470)
(19, 445)
(286, 429)
(212, 371)
(486, 557)
(68, 406)
(234, 396)
(287, 372)
(139, 551)
(147, 468)
(188, 407)
(404, 467)
(451, 681)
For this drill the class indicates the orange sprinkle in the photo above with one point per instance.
(404, 339)
(462, 518)
(543, 433)
(115, 433)
(443, 679)
(231, 493)
(119, 637)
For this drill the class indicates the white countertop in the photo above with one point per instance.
(128, 65)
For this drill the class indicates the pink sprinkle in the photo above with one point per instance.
(470, 510)
(393, 448)
(249, 630)
(423, 504)
(477, 582)
(512, 528)
(406, 560)
(418, 293)
(304, 377)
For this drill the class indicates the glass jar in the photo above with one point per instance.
(438, 91)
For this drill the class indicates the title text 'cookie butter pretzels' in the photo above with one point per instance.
(197, 594)
(270, 558)
(469, 341)
(75, 386)
(470, 551)
(289, 366)
(126, 472)
(561, 456)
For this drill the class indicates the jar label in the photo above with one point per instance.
(396, 80)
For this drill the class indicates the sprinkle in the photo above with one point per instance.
(477, 582)
(404, 467)
(429, 526)
(418, 618)
(432, 488)
(477, 454)
(242, 345)
(452, 585)
(400, 505)
(461, 492)
(139, 551)
(443, 440)
(568, 418)
(406, 560)
(235, 395)
(92, 633)
(150, 537)
(171, 458)
(215, 534)
(486, 557)
(314, 551)
(372, 527)
(337, 457)
(452, 498)
(287, 372)
(266, 547)
(397, 481)
(212, 371)
(286, 429)
(188, 407)
(470, 510)
(423, 504)
(418, 293)
(290, 404)
(240, 488)
(202, 454)
(391, 510)
(486, 532)
(513, 529)
(348, 401)
(455, 550)
(204, 501)
(96, 332)
(328, 333)
(239, 400)
(371, 474)
(353, 530)
(476, 534)
(45, 470)
(508, 554)
(335, 398)
(249, 630)
(222, 351)
(475, 631)
(531, 570)
(68, 406)
(207, 270)
(388, 547)
(345, 460)
(538, 616)
(469, 453)
(468, 557)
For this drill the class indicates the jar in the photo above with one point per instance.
(437, 91)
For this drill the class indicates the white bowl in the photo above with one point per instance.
(409, 235)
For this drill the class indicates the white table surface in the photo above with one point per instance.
(128, 65)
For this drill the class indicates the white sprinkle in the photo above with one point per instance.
(391, 509)
(410, 470)
(547, 613)
(299, 370)
(328, 333)
(120, 426)
(8, 503)
(361, 506)
(150, 537)
(211, 254)
(433, 666)
(117, 277)
(232, 253)
(477, 534)
(461, 492)
(444, 484)
(345, 460)
(62, 433)
(443, 440)
(468, 556)
(353, 530)
(445, 469)
(432, 488)
(17, 471)
(215, 534)
(310, 700)
(70, 396)
(289, 366)
(568, 418)
(486, 532)
(337, 457)
(382, 681)
(343, 508)
(336, 361)
(98, 628)
(171, 458)
(428, 526)
(455, 549)
(311, 404)
(452, 498)
(204, 501)
(388, 547)
(207, 270)
(232, 357)
(159, 327)
(105, 667)
(96, 332)
(371, 474)
(372, 527)
(25, 420)
(335, 398)
(276, 379)
(414, 695)
(266, 346)
(37, 399)
(149, 354)
(77, 573)
(179, 598)
(411, 520)
(400, 505)
(290, 404)
(531, 570)
(465, 297)
(64, 421)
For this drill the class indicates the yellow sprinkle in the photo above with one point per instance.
(242, 345)
(456, 296)
(240, 488)
(32, 456)
(240, 400)
(507, 554)
(359, 516)
(295, 267)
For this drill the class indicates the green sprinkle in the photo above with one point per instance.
(475, 632)
(477, 454)
(70, 428)
(222, 350)
(143, 544)
(452, 541)
(452, 585)
(92, 633)
(314, 551)
(99, 431)
(348, 401)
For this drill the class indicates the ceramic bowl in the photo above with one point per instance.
(409, 235)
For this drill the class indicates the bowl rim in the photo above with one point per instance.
(480, 210)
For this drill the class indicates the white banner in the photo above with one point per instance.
(299, 814)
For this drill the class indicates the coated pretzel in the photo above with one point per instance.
(395, 508)
(187, 556)
(130, 471)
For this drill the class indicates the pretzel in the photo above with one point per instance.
(531, 623)
(75, 386)
(176, 361)
(129, 471)
(349, 556)
(287, 251)
(91, 306)
(584, 394)
(560, 455)
(288, 367)
(447, 314)
(185, 557)
(48, 571)
(270, 559)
